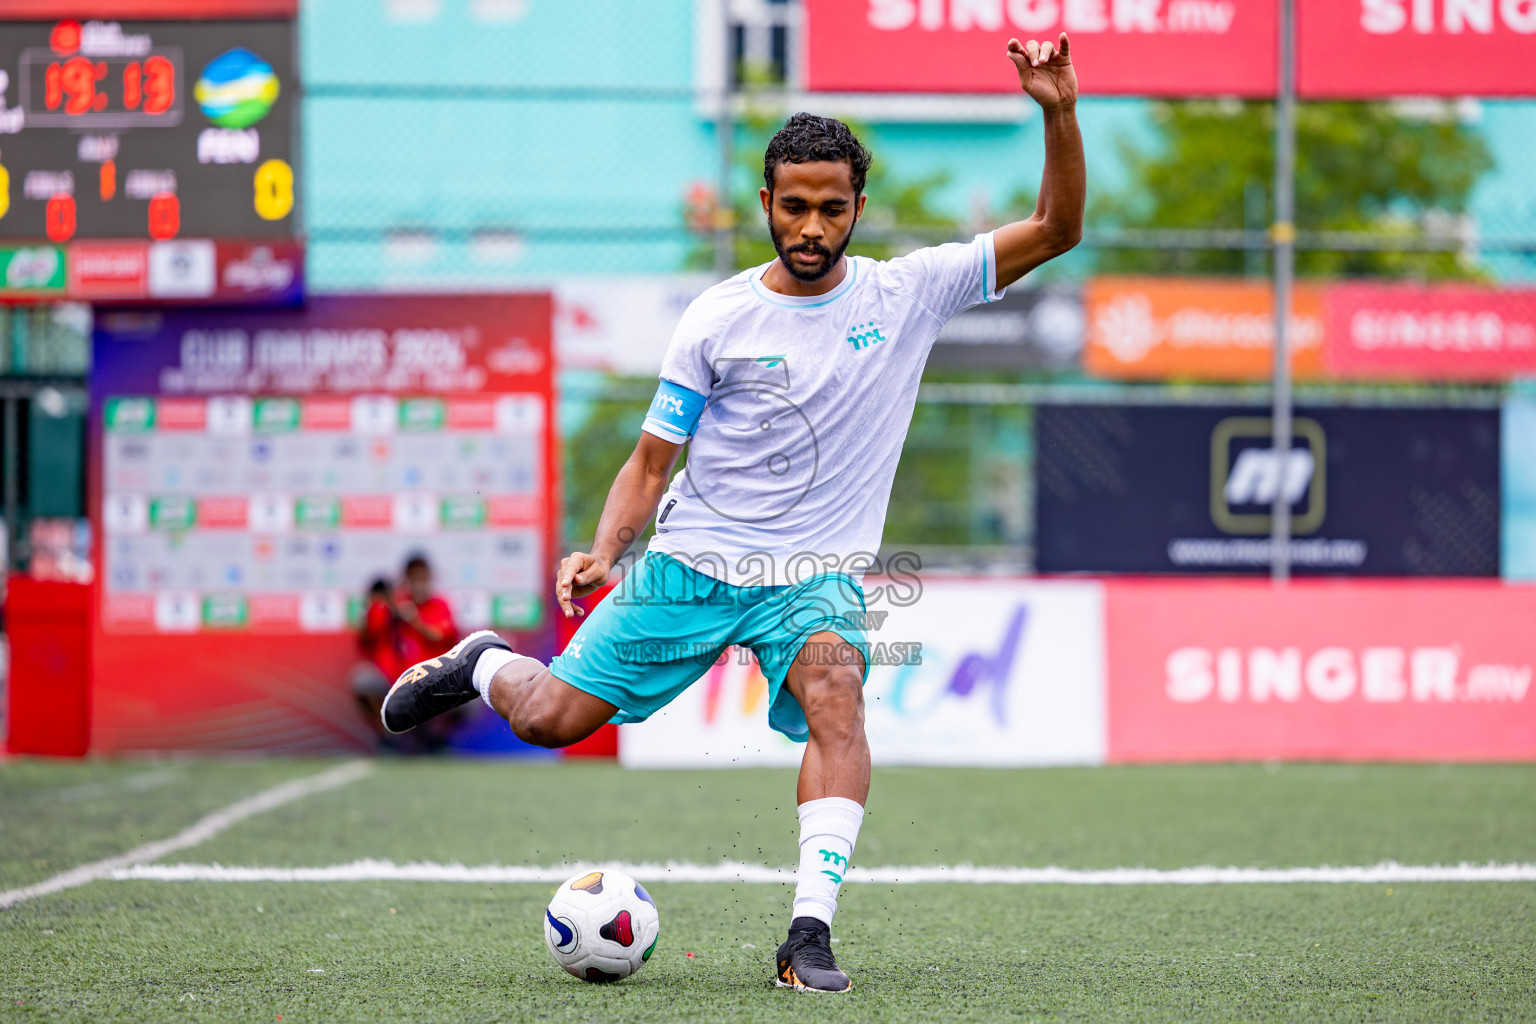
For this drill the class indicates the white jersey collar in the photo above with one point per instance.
(774, 298)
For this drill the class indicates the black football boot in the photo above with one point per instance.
(805, 959)
(429, 688)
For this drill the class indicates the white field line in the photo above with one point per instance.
(730, 871)
(200, 832)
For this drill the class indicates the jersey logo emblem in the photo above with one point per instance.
(769, 361)
(861, 336)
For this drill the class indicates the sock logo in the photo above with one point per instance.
(828, 857)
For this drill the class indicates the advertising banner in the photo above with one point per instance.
(181, 10)
(964, 672)
(620, 324)
(1363, 49)
(32, 272)
(1026, 329)
(253, 472)
(1159, 328)
(1440, 332)
(1359, 671)
(1141, 47)
(1346, 49)
(1164, 489)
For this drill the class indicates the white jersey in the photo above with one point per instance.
(808, 404)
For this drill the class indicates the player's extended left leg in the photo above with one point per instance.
(827, 678)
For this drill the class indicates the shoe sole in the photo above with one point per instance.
(437, 662)
(781, 983)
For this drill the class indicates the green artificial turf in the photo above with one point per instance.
(57, 814)
(477, 812)
(156, 951)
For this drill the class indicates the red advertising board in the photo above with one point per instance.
(179, 10)
(1143, 47)
(109, 270)
(1357, 671)
(1440, 332)
(1359, 49)
(1356, 49)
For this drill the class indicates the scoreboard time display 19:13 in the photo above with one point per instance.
(147, 129)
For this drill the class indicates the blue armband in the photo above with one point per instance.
(674, 412)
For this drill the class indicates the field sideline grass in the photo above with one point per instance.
(422, 951)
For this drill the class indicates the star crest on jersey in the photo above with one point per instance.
(861, 336)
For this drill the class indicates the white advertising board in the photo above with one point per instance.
(620, 324)
(1011, 672)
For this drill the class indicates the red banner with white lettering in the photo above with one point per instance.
(1346, 49)
(1143, 47)
(1360, 49)
(1358, 671)
(1441, 332)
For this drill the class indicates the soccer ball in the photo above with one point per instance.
(601, 926)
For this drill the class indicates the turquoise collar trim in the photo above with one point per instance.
(794, 302)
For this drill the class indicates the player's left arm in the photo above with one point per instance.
(1045, 73)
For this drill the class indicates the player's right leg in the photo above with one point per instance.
(540, 708)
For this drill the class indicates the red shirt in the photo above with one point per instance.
(394, 645)
(414, 644)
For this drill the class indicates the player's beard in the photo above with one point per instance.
(799, 273)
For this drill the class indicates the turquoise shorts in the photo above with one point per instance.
(667, 623)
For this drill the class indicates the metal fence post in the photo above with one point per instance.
(725, 125)
(1283, 234)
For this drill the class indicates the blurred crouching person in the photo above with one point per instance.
(398, 629)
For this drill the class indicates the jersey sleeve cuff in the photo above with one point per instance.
(659, 429)
(990, 292)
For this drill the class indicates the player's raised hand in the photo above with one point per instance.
(1045, 71)
(580, 573)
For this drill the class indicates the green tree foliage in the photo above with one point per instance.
(1360, 167)
(593, 458)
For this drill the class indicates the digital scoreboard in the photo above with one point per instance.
(147, 152)
(147, 130)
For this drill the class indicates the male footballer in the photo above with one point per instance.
(794, 384)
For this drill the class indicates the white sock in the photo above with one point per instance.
(828, 829)
(486, 666)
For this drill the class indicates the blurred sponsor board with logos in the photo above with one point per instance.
(988, 672)
(1374, 491)
(1212, 329)
(1365, 670)
(1038, 329)
(623, 324)
(255, 471)
(1440, 332)
(1023, 672)
(1346, 48)
(620, 324)
(1160, 328)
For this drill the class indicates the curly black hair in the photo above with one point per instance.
(806, 137)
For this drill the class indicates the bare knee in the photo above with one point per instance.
(833, 702)
(539, 714)
(541, 723)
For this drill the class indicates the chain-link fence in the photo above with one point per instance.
(494, 144)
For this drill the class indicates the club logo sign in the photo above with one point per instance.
(1246, 475)
(236, 89)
